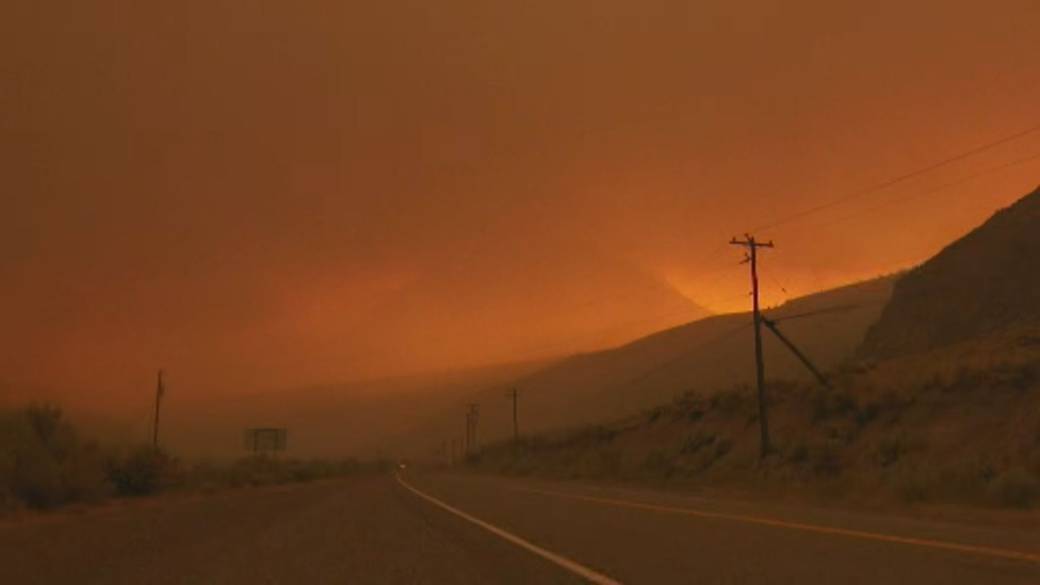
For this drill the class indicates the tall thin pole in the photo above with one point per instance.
(760, 370)
(514, 393)
(476, 416)
(159, 390)
(472, 416)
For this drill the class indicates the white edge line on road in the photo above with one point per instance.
(980, 550)
(562, 561)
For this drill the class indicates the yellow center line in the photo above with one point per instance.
(763, 521)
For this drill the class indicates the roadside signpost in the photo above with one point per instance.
(265, 440)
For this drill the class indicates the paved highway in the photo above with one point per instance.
(458, 529)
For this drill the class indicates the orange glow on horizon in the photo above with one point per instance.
(469, 183)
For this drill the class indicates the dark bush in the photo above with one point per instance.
(1016, 488)
(915, 486)
(825, 459)
(730, 401)
(799, 452)
(43, 463)
(723, 447)
(654, 413)
(891, 449)
(659, 464)
(696, 442)
(830, 403)
(142, 472)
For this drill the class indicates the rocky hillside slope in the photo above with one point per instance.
(982, 283)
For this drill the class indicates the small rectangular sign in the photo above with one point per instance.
(264, 440)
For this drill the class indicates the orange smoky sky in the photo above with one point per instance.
(271, 194)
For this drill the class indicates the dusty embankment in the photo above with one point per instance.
(958, 425)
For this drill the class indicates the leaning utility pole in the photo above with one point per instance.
(514, 393)
(760, 372)
(797, 353)
(160, 389)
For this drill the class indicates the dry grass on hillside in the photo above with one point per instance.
(958, 425)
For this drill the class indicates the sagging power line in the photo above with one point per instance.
(899, 179)
(919, 194)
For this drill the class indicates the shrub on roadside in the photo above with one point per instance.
(891, 449)
(43, 463)
(827, 403)
(1015, 488)
(799, 452)
(266, 470)
(143, 471)
(825, 458)
(659, 464)
(914, 486)
(730, 401)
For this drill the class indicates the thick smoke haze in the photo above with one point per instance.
(267, 194)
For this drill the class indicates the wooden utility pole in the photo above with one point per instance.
(514, 393)
(160, 389)
(472, 414)
(752, 247)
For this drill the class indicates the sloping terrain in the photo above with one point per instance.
(948, 408)
(958, 424)
(420, 415)
(709, 354)
(983, 282)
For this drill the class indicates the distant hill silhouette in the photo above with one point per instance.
(416, 415)
(706, 355)
(982, 283)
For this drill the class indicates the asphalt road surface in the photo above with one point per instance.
(450, 529)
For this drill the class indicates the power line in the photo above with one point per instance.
(825, 311)
(942, 187)
(899, 179)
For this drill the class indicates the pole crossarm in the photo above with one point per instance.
(750, 242)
